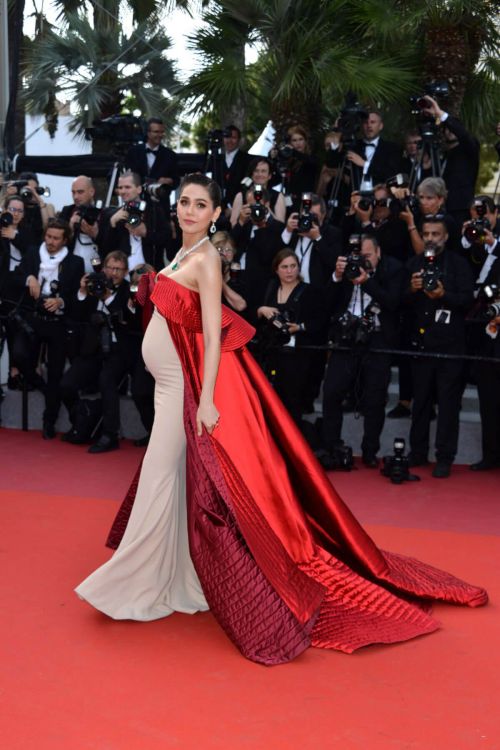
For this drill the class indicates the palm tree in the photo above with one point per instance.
(97, 65)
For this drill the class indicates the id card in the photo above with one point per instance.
(442, 316)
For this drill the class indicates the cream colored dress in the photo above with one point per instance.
(151, 573)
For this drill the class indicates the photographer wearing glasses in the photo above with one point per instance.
(367, 292)
(441, 291)
(110, 349)
(51, 277)
(37, 211)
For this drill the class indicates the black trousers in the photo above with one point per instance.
(441, 379)
(288, 370)
(25, 353)
(488, 390)
(370, 374)
(104, 374)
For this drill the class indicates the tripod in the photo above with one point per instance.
(345, 168)
(214, 161)
(430, 148)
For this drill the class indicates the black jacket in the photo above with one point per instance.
(461, 167)
(71, 270)
(234, 174)
(385, 287)
(430, 331)
(154, 244)
(324, 254)
(165, 164)
(65, 214)
(11, 285)
(125, 324)
(386, 161)
(304, 305)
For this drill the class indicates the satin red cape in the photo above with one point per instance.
(282, 561)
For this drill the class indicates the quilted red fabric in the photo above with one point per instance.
(282, 561)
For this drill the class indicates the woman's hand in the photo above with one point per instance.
(207, 417)
(267, 312)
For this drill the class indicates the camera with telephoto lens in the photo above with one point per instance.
(258, 211)
(431, 274)
(40, 303)
(135, 210)
(157, 190)
(491, 293)
(118, 130)
(306, 219)
(397, 467)
(6, 219)
(474, 232)
(355, 262)
(26, 192)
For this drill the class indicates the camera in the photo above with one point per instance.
(367, 324)
(306, 218)
(355, 262)
(258, 211)
(98, 283)
(25, 192)
(366, 200)
(340, 458)
(157, 190)
(135, 210)
(474, 231)
(492, 294)
(351, 330)
(431, 274)
(280, 323)
(6, 219)
(118, 129)
(351, 116)
(40, 303)
(435, 89)
(89, 213)
(399, 180)
(397, 466)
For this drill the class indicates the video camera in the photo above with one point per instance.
(351, 116)
(120, 130)
(474, 231)
(426, 123)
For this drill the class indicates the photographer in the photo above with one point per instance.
(366, 296)
(51, 277)
(82, 216)
(257, 236)
(371, 159)
(461, 163)
(36, 211)
(154, 162)
(293, 315)
(441, 290)
(480, 237)
(139, 229)
(379, 214)
(432, 196)
(260, 173)
(299, 167)
(314, 240)
(15, 242)
(111, 348)
(235, 163)
(233, 284)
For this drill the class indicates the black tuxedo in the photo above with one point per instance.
(165, 164)
(386, 162)
(234, 174)
(461, 167)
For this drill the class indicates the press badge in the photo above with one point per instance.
(442, 316)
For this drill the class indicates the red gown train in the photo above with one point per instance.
(282, 561)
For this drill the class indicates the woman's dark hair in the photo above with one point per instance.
(28, 176)
(258, 159)
(212, 188)
(281, 255)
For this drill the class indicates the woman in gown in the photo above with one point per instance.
(233, 513)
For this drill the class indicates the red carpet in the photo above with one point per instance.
(73, 679)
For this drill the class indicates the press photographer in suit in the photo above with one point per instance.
(441, 292)
(82, 216)
(51, 275)
(367, 293)
(137, 228)
(235, 165)
(155, 163)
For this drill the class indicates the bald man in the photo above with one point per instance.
(85, 242)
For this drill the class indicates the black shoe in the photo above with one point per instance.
(73, 437)
(484, 465)
(371, 462)
(441, 470)
(400, 411)
(414, 460)
(104, 444)
(48, 431)
(142, 442)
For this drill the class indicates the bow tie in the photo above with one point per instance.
(369, 145)
(151, 150)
